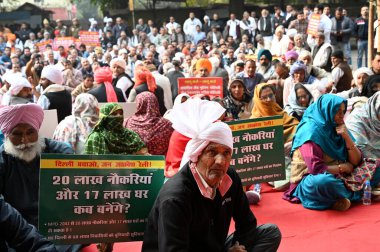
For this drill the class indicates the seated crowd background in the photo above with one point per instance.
(268, 64)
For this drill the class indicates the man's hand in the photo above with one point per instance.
(237, 248)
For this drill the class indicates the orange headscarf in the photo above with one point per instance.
(143, 75)
(265, 109)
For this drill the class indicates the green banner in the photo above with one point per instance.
(97, 198)
(258, 154)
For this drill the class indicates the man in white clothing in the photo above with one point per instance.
(325, 25)
(119, 78)
(172, 25)
(189, 27)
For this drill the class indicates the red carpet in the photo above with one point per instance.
(305, 230)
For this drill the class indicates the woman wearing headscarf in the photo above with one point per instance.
(299, 100)
(110, 137)
(147, 122)
(364, 124)
(74, 129)
(323, 153)
(265, 105)
(238, 103)
(144, 81)
(298, 74)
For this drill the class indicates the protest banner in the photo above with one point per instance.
(211, 86)
(77, 43)
(49, 124)
(89, 38)
(258, 153)
(63, 41)
(97, 198)
(312, 27)
(42, 45)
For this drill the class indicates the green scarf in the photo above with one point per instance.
(110, 137)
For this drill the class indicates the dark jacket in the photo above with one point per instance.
(19, 180)
(183, 220)
(346, 29)
(361, 28)
(62, 102)
(101, 94)
(173, 78)
(18, 234)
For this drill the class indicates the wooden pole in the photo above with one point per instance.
(370, 32)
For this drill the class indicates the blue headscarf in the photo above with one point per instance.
(318, 125)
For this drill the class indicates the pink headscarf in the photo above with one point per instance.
(11, 116)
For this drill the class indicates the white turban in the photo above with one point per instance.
(118, 62)
(17, 84)
(53, 74)
(9, 76)
(195, 119)
(362, 70)
(215, 62)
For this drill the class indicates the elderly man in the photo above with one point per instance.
(266, 68)
(121, 79)
(321, 53)
(193, 210)
(52, 94)
(20, 91)
(250, 77)
(203, 68)
(341, 72)
(20, 157)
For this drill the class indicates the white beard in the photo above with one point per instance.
(27, 152)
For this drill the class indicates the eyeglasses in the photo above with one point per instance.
(265, 98)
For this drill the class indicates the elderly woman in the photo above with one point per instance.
(147, 122)
(74, 129)
(238, 103)
(323, 152)
(298, 74)
(364, 124)
(110, 137)
(299, 100)
(265, 105)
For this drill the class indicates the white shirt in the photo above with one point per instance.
(170, 26)
(124, 83)
(164, 83)
(233, 23)
(189, 26)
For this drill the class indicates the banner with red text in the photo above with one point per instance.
(211, 86)
(89, 38)
(313, 25)
(63, 41)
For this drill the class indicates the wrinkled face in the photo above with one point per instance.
(250, 68)
(213, 163)
(299, 76)
(85, 63)
(306, 60)
(339, 116)
(23, 134)
(282, 72)
(302, 97)
(237, 90)
(267, 95)
(298, 41)
(335, 61)
(361, 79)
(203, 72)
(117, 70)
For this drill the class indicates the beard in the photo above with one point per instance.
(26, 152)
